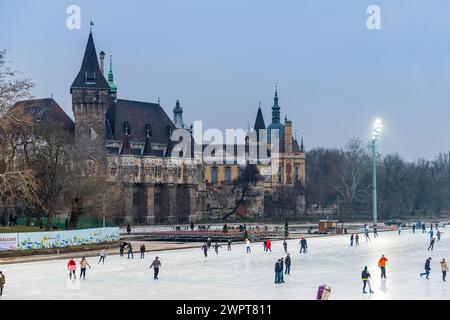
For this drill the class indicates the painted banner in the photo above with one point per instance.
(8, 241)
(61, 239)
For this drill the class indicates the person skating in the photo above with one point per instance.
(375, 232)
(269, 245)
(83, 264)
(424, 228)
(247, 245)
(356, 240)
(265, 245)
(431, 246)
(320, 291)
(205, 249)
(326, 293)
(431, 233)
(142, 250)
(102, 256)
(122, 249)
(208, 242)
(156, 264)
(382, 266)
(229, 244)
(438, 235)
(216, 247)
(287, 263)
(72, 267)
(399, 230)
(366, 233)
(278, 271)
(352, 237)
(130, 250)
(285, 246)
(2, 282)
(303, 245)
(365, 276)
(282, 269)
(427, 268)
(414, 228)
(444, 268)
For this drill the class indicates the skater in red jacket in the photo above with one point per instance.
(269, 245)
(72, 266)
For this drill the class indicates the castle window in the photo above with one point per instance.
(147, 171)
(148, 130)
(89, 78)
(126, 128)
(228, 174)
(157, 199)
(214, 175)
(113, 170)
(280, 174)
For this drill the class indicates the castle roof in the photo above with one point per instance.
(90, 75)
(138, 115)
(46, 111)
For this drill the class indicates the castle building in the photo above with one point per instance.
(128, 143)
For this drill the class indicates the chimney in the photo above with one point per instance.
(288, 136)
(102, 62)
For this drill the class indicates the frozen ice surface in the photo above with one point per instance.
(186, 274)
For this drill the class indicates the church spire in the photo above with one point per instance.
(178, 115)
(276, 107)
(112, 86)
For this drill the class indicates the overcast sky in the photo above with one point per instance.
(221, 57)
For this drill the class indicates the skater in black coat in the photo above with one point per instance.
(229, 244)
(431, 246)
(303, 245)
(427, 268)
(216, 248)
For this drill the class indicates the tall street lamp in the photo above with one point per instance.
(378, 125)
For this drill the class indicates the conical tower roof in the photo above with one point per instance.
(90, 75)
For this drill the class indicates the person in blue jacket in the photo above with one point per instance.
(427, 268)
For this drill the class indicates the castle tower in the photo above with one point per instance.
(91, 98)
(276, 124)
(178, 116)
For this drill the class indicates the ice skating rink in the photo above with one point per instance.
(186, 274)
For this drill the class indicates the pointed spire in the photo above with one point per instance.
(147, 151)
(178, 115)
(112, 86)
(302, 147)
(90, 75)
(276, 107)
(259, 122)
(126, 147)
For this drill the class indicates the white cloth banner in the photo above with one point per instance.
(8, 241)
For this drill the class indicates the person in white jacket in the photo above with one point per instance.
(247, 244)
(102, 256)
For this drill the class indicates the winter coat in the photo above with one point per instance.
(142, 248)
(278, 267)
(288, 260)
(303, 244)
(326, 293)
(382, 262)
(269, 244)
(365, 275)
(84, 264)
(444, 266)
(2, 281)
(156, 264)
(72, 265)
(103, 253)
(427, 264)
(320, 292)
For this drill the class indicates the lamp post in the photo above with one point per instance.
(375, 137)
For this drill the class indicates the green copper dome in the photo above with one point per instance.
(112, 86)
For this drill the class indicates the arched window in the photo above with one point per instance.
(214, 175)
(228, 174)
(126, 128)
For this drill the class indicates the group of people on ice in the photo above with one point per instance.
(282, 267)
